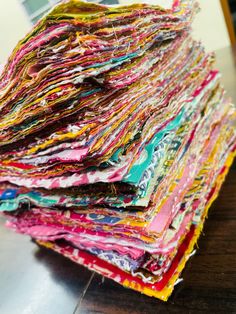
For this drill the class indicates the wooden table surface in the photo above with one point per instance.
(38, 281)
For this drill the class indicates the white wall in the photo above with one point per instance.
(14, 24)
(209, 25)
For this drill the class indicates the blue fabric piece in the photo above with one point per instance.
(8, 194)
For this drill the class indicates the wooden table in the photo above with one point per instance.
(38, 281)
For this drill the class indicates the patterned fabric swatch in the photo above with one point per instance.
(115, 138)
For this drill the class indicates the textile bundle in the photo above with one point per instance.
(115, 138)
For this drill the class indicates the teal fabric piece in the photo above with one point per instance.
(135, 174)
(13, 204)
(9, 206)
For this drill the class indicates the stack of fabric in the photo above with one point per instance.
(115, 138)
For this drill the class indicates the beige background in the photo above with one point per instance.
(209, 26)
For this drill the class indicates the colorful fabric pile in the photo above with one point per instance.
(115, 138)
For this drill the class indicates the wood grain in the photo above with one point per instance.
(228, 20)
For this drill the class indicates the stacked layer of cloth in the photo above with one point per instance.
(115, 138)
